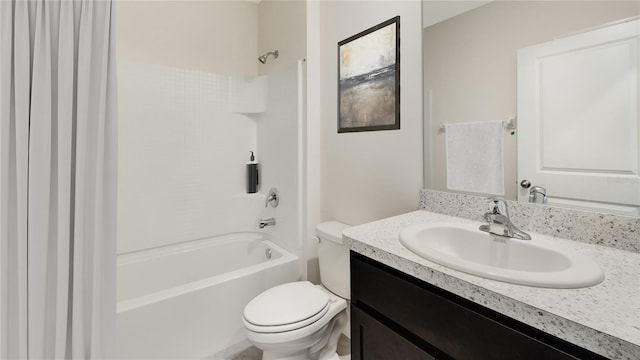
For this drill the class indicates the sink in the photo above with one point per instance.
(532, 262)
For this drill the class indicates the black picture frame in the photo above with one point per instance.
(369, 79)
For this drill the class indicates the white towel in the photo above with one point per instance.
(474, 157)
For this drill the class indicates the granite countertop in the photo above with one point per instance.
(604, 318)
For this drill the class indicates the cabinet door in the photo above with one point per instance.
(372, 340)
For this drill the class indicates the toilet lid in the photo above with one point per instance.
(284, 304)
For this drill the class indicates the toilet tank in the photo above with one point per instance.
(333, 258)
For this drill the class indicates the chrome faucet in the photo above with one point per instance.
(499, 223)
(266, 222)
(538, 194)
(272, 199)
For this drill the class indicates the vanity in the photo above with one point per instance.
(396, 316)
(407, 307)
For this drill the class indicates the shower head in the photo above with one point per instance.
(263, 58)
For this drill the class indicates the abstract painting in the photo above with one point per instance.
(369, 79)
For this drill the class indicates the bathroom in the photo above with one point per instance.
(193, 101)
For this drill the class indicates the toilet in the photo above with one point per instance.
(299, 320)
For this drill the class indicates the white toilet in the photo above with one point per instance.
(299, 320)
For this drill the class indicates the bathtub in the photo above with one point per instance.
(185, 301)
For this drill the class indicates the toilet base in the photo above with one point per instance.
(316, 348)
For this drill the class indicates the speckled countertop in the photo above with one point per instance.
(604, 318)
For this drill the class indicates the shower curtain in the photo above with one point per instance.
(57, 179)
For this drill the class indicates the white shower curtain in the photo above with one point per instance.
(57, 179)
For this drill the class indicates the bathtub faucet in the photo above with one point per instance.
(266, 222)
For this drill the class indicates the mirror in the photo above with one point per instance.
(470, 69)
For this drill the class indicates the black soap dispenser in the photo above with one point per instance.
(252, 175)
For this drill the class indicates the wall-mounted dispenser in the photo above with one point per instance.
(252, 174)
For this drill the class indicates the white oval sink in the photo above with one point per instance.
(526, 262)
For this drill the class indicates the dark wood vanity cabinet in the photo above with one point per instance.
(377, 341)
(396, 316)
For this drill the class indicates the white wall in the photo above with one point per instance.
(312, 184)
(282, 27)
(470, 64)
(182, 150)
(279, 149)
(370, 175)
(213, 36)
(353, 178)
(182, 154)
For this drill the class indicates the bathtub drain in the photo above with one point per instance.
(267, 253)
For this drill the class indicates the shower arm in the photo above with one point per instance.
(263, 58)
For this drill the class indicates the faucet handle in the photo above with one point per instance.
(499, 222)
(494, 205)
(272, 199)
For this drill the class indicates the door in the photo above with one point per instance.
(578, 119)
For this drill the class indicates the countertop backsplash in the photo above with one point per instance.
(616, 231)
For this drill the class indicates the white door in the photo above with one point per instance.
(578, 119)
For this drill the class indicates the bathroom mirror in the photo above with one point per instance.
(470, 69)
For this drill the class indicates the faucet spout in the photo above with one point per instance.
(266, 222)
(499, 223)
(538, 194)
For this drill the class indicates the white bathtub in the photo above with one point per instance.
(185, 301)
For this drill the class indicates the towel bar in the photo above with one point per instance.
(510, 124)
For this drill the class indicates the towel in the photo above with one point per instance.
(474, 157)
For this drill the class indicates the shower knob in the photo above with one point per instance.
(525, 184)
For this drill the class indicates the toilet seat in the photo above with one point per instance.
(286, 327)
(286, 307)
(267, 340)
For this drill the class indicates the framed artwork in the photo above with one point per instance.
(369, 79)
